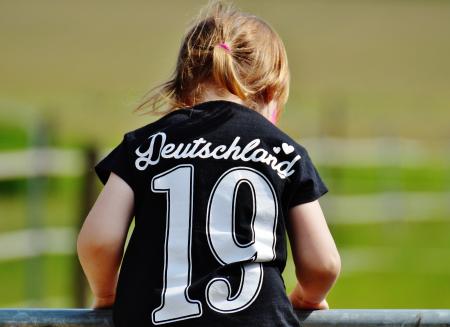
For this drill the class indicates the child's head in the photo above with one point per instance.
(233, 51)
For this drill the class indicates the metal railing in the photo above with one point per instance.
(320, 318)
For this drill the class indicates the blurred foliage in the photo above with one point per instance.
(12, 136)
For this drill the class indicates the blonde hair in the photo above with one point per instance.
(234, 51)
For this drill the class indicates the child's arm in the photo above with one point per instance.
(101, 241)
(317, 261)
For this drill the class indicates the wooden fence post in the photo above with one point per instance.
(36, 189)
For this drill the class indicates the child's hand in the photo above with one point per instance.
(298, 301)
(104, 302)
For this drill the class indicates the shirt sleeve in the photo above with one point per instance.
(118, 161)
(307, 183)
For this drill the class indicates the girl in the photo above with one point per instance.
(213, 186)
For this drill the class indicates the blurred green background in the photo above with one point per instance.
(370, 100)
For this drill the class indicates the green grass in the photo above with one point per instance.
(57, 282)
(61, 204)
(12, 136)
(391, 265)
(392, 290)
(366, 180)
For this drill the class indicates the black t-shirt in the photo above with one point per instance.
(213, 185)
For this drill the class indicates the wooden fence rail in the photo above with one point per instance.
(321, 318)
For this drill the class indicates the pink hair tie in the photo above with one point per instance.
(225, 46)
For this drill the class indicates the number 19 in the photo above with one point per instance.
(178, 185)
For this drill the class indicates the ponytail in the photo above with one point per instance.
(238, 52)
(224, 73)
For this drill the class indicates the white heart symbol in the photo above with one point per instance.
(276, 149)
(287, 148)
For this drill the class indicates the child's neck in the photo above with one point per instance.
(211, 94)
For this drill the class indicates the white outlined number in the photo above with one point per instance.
(176, 305)
(223, 242)
(177, 183)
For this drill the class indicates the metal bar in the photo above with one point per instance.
(55, 318)
(320, 318)
(374, 318)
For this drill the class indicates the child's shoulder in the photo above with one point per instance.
(141, 133)
(272, 133)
